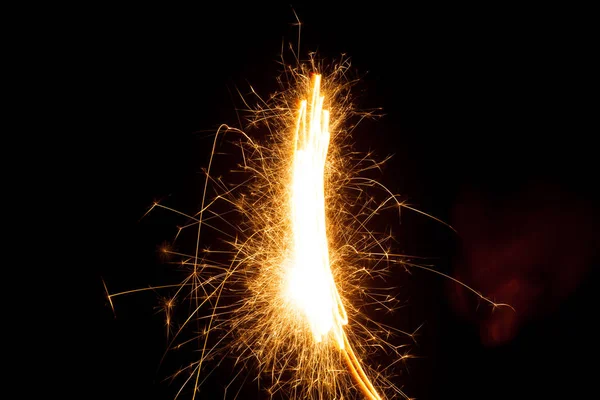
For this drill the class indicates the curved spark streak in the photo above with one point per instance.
(310, 284)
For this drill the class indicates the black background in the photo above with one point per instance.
(475, 101)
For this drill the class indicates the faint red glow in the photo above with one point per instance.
(530, 249)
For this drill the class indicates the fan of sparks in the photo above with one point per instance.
(288, 286)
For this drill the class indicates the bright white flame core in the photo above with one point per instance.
(310, 284)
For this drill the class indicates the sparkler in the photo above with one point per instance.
(287, 291)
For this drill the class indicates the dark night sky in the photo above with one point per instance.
(484, 115)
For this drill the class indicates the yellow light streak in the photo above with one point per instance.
(310, 282)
